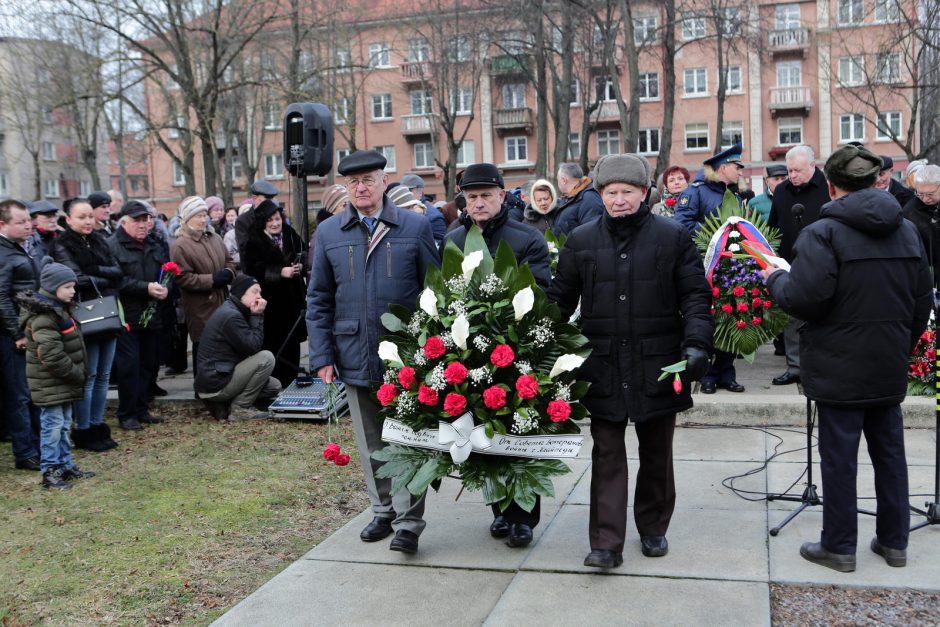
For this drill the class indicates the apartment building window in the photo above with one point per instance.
(461, 100)
(888, 67)
(174, 131)
(732, 133)
(786, 16)
(341, 110)
(514, 42)
(50, 188)
(644, 30)
(574, 145)
(421, 102)
(851, 12)
(272, 115)
(268, 65)
(789, 74)
(513, 95)
(458, 49)
(179, 177)
(171, 83)
(608, 142)
(274, 165)
(693, 27)
(47, 151)
(852, 70)
(575, 93)
(342, 58)
(237, 171)
(342, 153)
(888, 125)
(649, 86)
(379, 55)
(466, 153)
(84, 188)
(4, 184)
(604, 88)
(424, 156)
(729, 20)
(789, 131)
(389, 153)
(695, 81)
(733, 84)
(648, 142)
(696, 137)
(887, 11)
(419, 50)
(851, 128)
(306, 62)
(47, 115)
(381, 106)
(517, 149)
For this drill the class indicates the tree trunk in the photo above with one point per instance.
(562, 92)
(541, 89)
(669, 87)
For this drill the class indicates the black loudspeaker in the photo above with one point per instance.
(308, 139)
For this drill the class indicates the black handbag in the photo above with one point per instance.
(99, 317)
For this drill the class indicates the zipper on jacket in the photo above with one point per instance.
(388, 259)
(352, 265)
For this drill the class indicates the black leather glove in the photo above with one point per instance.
(221, 278)
(698, 363)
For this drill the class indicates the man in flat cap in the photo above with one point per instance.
(45, 229)
(699, 200)
(775, 174)
(860, 281)
(367, 257)
(902, 193)
(259, 191)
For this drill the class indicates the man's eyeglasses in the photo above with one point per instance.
(933, 194)
(353, 183)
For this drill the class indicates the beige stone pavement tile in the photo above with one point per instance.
(313, 592)
(711, 544)
(919, 445)
(572, 599)
(718, 443)
(923, 558)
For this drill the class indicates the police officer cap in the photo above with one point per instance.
(262, 188)
(42, 206)
(134, 208)
(99, 199)
(851, 168)
(481, 175)
(361, 161)
(778, 169)
(729, 155)
(887, 163)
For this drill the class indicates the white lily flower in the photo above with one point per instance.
(565, 363)
(460, 331)
(734, 248)
(523, 301)
(388, 351)
(428, 302)
(470, 263)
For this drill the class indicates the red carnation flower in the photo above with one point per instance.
(171, 267)
(341, 460)
(767, 304)
(502, 355)
(757, 303)
(455, 373)
(331, 451)
(494, 397)
(756, 320)
(755, 291)
(434, 347)
(386, 394)
(738, 291)
(677, 385)
(559, 411)
(727, 308)
(406, 377)
(455, 404)
(670, 202)
(427, 396)
(742, 307)
(740, 324)
(527, 386)
(716, 292)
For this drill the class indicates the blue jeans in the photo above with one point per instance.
(90, 410)
(22, 416)
(56, 449)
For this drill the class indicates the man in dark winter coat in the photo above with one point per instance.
(885, 181)
(579, 203)
(922, 210)
(645, 304)
(45, 230)
(482, 186)
(860, 280)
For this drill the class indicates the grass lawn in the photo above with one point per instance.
(184, 520)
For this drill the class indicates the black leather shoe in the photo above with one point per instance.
(404, 542)
(520, 534)
(217, 409)
(131, 424)
(814, 552)
(603, 558)
(654, 546)
(499, 528)
(786, 378)
(378, 529)
(894, 557)
(156, 390)
(708, 387)
(734, 386)
(150, 419)
(30, 463)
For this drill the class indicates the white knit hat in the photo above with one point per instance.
(190, 207)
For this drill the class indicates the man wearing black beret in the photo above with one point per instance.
(260, 191)
(860, 281)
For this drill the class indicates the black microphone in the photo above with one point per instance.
(797, 210)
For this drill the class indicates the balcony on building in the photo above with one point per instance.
(513, 120)
(415, 72)
(788, 40)
(790, 100)
(423, 124)
(599, 61)
(509, 64)
(607, 112)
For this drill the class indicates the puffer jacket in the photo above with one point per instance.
(18, 272)
(580, 208)
(355, 278)
(860, 280)
(232, 335)
(140, 263)
(55, 353)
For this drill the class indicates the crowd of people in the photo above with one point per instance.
(248, 290)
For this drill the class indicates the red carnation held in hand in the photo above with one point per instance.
(434, 347)
(502, 355)
(406, 376)
(738, 291)
(455, 373)
(527, 386)
(172, 268)
(331, 451)
(455, 404)
(386, 394)
(341, 460)
(494, 397)
(559, 411)
(427, 396)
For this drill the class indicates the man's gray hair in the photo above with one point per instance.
(571, 170)
(801, 151)
(927, 175)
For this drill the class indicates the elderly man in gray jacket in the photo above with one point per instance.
(373, 255)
